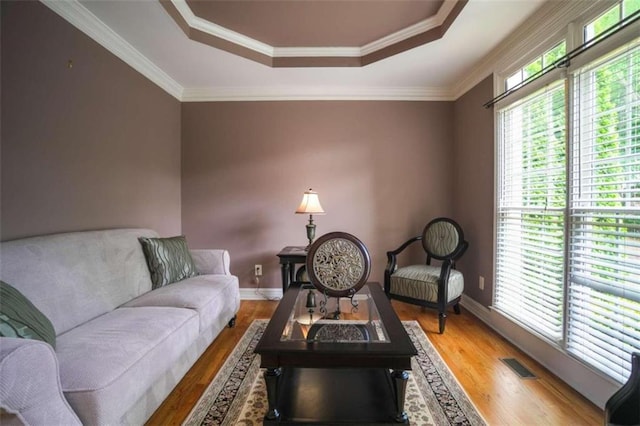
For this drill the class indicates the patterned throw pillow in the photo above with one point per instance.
(168, 260)
(20, 318)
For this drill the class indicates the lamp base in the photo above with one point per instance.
(311, 231)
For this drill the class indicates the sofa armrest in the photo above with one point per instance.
(211, 261)
(30, 390)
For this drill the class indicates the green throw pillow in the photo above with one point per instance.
(168, 259)
(20, 318)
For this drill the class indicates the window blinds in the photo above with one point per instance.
(604, 246)
(531, 207)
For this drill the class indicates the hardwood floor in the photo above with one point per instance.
(471, 350)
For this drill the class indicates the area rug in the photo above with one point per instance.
(237, 395)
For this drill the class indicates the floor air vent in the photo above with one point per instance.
(520, 369)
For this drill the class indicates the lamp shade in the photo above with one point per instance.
(310, 203)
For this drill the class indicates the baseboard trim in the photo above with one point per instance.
(476, 309)
(260, 293)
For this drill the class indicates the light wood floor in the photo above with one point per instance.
(471, 350)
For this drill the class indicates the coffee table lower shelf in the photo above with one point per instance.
(323, 396)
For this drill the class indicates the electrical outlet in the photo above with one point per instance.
(257, 270)
(481, 282)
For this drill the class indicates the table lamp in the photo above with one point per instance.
(310, 205)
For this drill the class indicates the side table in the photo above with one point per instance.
(291, 256)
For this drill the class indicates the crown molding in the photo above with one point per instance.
(237, 94)
(398, 36)
(411, 31)
(550, 19)
(223, 33)
(216, 30)
(81, 18)
(316, 52)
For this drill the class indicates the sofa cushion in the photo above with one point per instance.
(206, 294)
(20, 318)
(77, 276)
(108, 363)
(169, 260)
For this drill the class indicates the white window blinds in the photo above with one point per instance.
(604, 247)
(531, 207)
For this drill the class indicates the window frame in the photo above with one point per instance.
(573, 34)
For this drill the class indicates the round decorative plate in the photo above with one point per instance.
(338, 264)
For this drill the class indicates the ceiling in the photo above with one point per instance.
(329, 33)
(316, 23)
(302, 49)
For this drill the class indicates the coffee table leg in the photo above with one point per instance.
(400, 378)
(271, 378)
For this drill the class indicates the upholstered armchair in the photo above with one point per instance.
(433, 286)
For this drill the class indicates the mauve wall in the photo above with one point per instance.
(98, 146)
(382, 170)
(93, 146)
(473, 200)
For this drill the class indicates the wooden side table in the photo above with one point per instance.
(291, 256)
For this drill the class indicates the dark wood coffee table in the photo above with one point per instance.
(350, 370)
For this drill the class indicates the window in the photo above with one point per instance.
(531, 210)
(604, 255)
(545, 60)
(568, 204)
(611, 17)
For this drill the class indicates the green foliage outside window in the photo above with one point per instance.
(611, 17)
(629, 7)
(530, 70)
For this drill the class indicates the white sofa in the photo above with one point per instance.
(121, 347)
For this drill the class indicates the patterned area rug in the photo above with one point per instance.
(237, 395)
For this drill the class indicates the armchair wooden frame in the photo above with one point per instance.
(448, 263)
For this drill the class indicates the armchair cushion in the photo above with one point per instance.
(421, 282)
